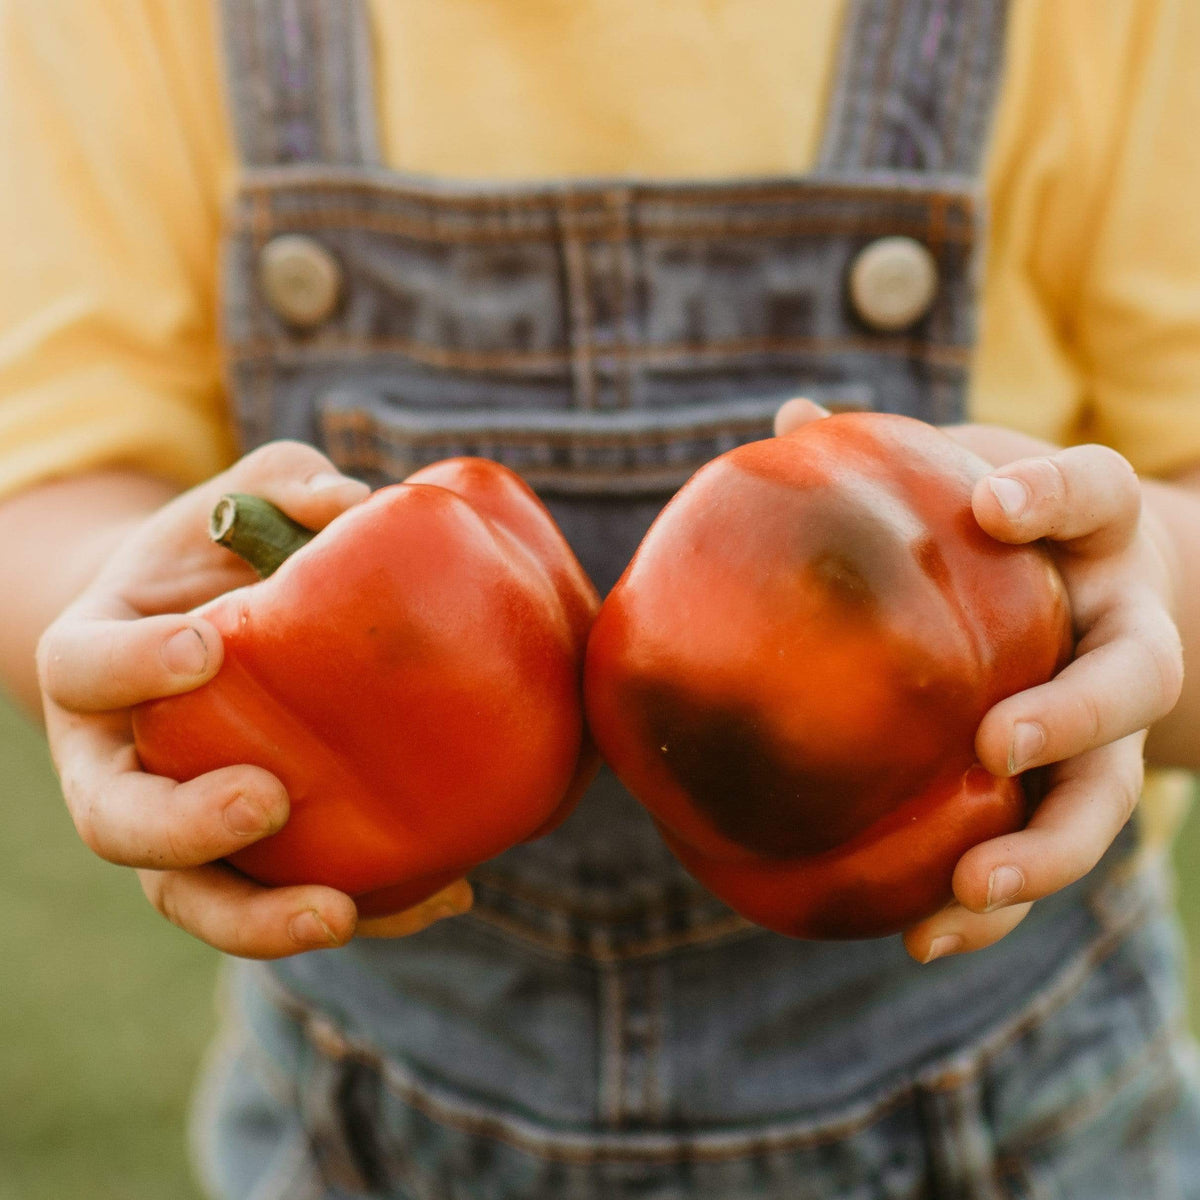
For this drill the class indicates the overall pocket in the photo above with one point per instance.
(374, 434)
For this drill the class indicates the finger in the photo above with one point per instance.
(954, 930)
(996, 444)
(140, 820)
(92, 663)
(794, 413)
(451, 901)
(1086, 495)
(297, 479)
(1075, 823)
(1132, 678)
(238, 916)
(294, 477)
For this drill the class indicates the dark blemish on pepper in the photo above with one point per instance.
(742, 781)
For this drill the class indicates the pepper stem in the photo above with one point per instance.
(257, 531)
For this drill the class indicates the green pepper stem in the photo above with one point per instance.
(257, 531)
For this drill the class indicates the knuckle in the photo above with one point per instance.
(1091, 717)
(180, 846)
(151, 882)
(1166, 665)
(88, 829)
(1120, 475)
(1053, 480)
(1127, 791)
(165, 897)
(95, 831)
(47, 658)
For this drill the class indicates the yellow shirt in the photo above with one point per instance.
(116, 159)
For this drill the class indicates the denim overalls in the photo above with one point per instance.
(599, 1026)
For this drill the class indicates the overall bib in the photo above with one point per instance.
(599, 1026)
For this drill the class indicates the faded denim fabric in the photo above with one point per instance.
(600, 1026)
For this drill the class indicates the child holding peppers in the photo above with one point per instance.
(585, 225)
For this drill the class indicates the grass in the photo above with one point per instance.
(105, 1009)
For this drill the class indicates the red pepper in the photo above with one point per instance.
(791, 672)
(412, 675)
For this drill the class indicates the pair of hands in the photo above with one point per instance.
(128, 637)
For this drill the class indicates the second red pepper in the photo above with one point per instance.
(791, 672)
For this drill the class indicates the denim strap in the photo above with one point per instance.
(300, 81)
(915, 86)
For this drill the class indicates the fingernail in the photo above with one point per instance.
(244, 818)
(1011, 494)
(309, 929)
(948, 943)
(184, 653)
(1004, 883)
(1028, 738)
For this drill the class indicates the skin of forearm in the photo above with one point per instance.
(1174, 507)
(53, 539)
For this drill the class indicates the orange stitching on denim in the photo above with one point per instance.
(937, 225)
(264, 373)
(363, 421)
(573, 946)
(943, 354)
(611, 1101)
(623, 278)
(1100, 1095)
(652, 1095)
(323, 177)
(331, 134)
(1061, 990)
(724, 225)
(552, 1147)
(579, 305)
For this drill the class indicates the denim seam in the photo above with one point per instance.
(859, 186)
(263, 384)
(962, 71)
(570, 946)
(863, 227)
(885, 71)
(948, 355)
(330, 121)
(610, 1100)
(621, 282)
(579, 306)
(1065, 984)
(360, 421)
(534, 1138)
(1158, 1052)
(652, 1096)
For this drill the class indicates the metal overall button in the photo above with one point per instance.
(893, 282)
(301, 280)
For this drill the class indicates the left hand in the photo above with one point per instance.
(1088, 725)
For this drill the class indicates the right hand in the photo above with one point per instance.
(128, 637)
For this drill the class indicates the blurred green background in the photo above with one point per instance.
(105, 1008)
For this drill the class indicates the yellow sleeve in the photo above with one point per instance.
(115, 155)
(1137, 325)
